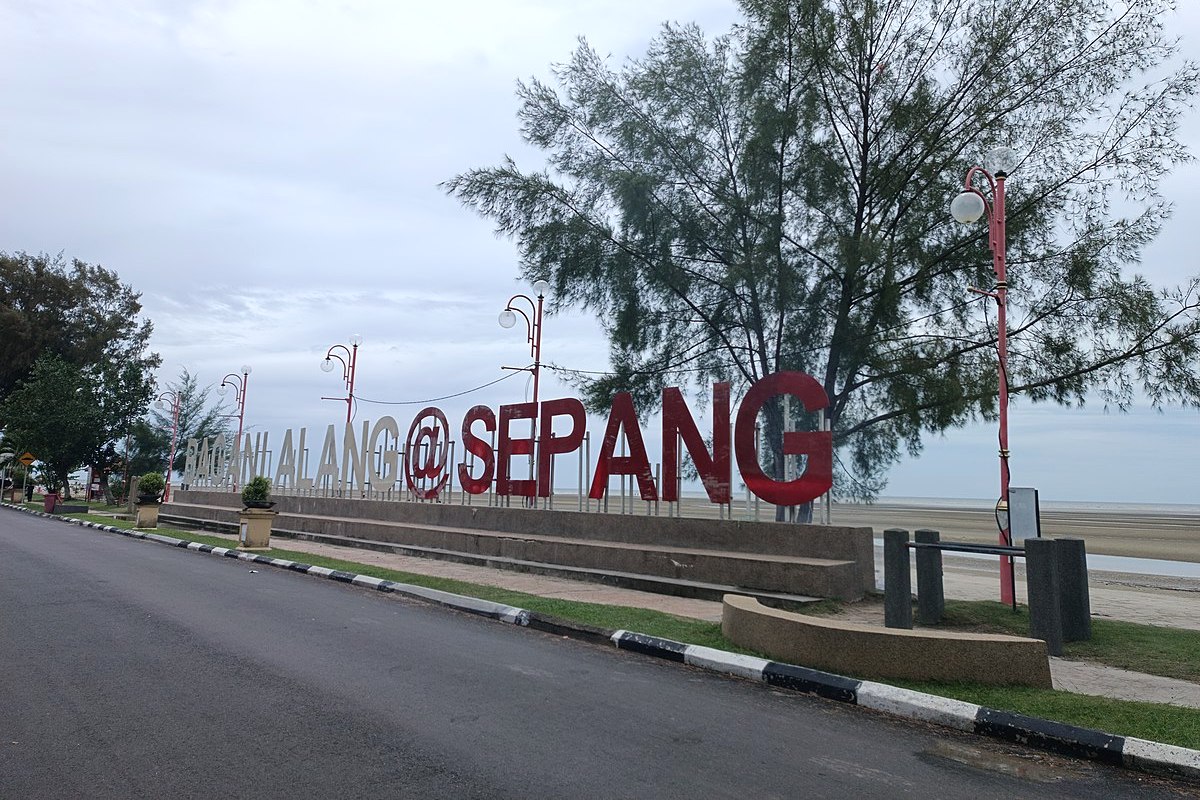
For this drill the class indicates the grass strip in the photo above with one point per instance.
(1153, 721)
(1153, 649)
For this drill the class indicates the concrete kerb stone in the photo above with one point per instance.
(1161, 758)
(1070, 740)
(918, 705)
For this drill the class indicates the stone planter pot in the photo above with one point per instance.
(254, 528)
(147, 514)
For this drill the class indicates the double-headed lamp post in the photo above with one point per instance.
(238, 383)
(967, 207)
(533, 326)
(349, 362)
(173, 398)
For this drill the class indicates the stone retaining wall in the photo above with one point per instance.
(592, 539)
(866, 651)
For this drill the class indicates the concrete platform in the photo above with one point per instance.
(781, 564)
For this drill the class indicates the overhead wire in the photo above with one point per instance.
(437, 399)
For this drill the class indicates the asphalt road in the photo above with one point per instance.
(129, 669)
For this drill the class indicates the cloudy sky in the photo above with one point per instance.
(265, 173)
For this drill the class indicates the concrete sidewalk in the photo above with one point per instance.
(1132, 598)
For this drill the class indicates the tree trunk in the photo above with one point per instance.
(102, 476)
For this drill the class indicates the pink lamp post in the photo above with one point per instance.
(967, 207)
(238, 383)
(172, 397)
(349, 363)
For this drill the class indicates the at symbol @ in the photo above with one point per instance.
(427, 454)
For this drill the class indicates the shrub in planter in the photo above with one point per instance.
(257, 493)
(150, 487)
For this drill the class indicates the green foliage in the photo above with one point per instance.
(122, 393)
(52, 415)
(81, 313)
(149, 443)
(69, 416)
(776, 198)
(256, 490)
(81, 317)
(151, 483)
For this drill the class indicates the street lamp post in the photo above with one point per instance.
(173, 397)
(533, 327)
(967, 207)
(533, 335)
(349, 362)
(238, 383)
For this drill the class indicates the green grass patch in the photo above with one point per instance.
(1157, 650)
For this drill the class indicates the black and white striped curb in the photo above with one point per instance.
(1057, 737)
(1043, 734)
(484, 608)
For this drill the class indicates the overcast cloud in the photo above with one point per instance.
(265, 173)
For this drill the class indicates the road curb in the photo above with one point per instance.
(1056, 737)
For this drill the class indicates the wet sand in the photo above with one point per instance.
(1171, 537)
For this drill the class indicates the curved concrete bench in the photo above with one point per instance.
(870, 652)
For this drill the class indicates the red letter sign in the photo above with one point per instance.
(678, 422)
(817, 445)
(510, 447)
(426, 453)
(552, 445)
(479, 448)
(623, 417)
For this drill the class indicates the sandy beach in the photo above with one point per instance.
(1171, 537)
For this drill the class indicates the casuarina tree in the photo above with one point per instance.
(149, 444)
(776, 198)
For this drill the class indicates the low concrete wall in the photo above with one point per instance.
(737, 536)
(869, 652)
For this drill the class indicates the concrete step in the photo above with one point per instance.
(744, 536)
(777, 573)
(601, 572)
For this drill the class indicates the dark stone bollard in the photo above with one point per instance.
(931, 595)
(1045, 609)
(897, 581)
(131, 501)
(1075, 604)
